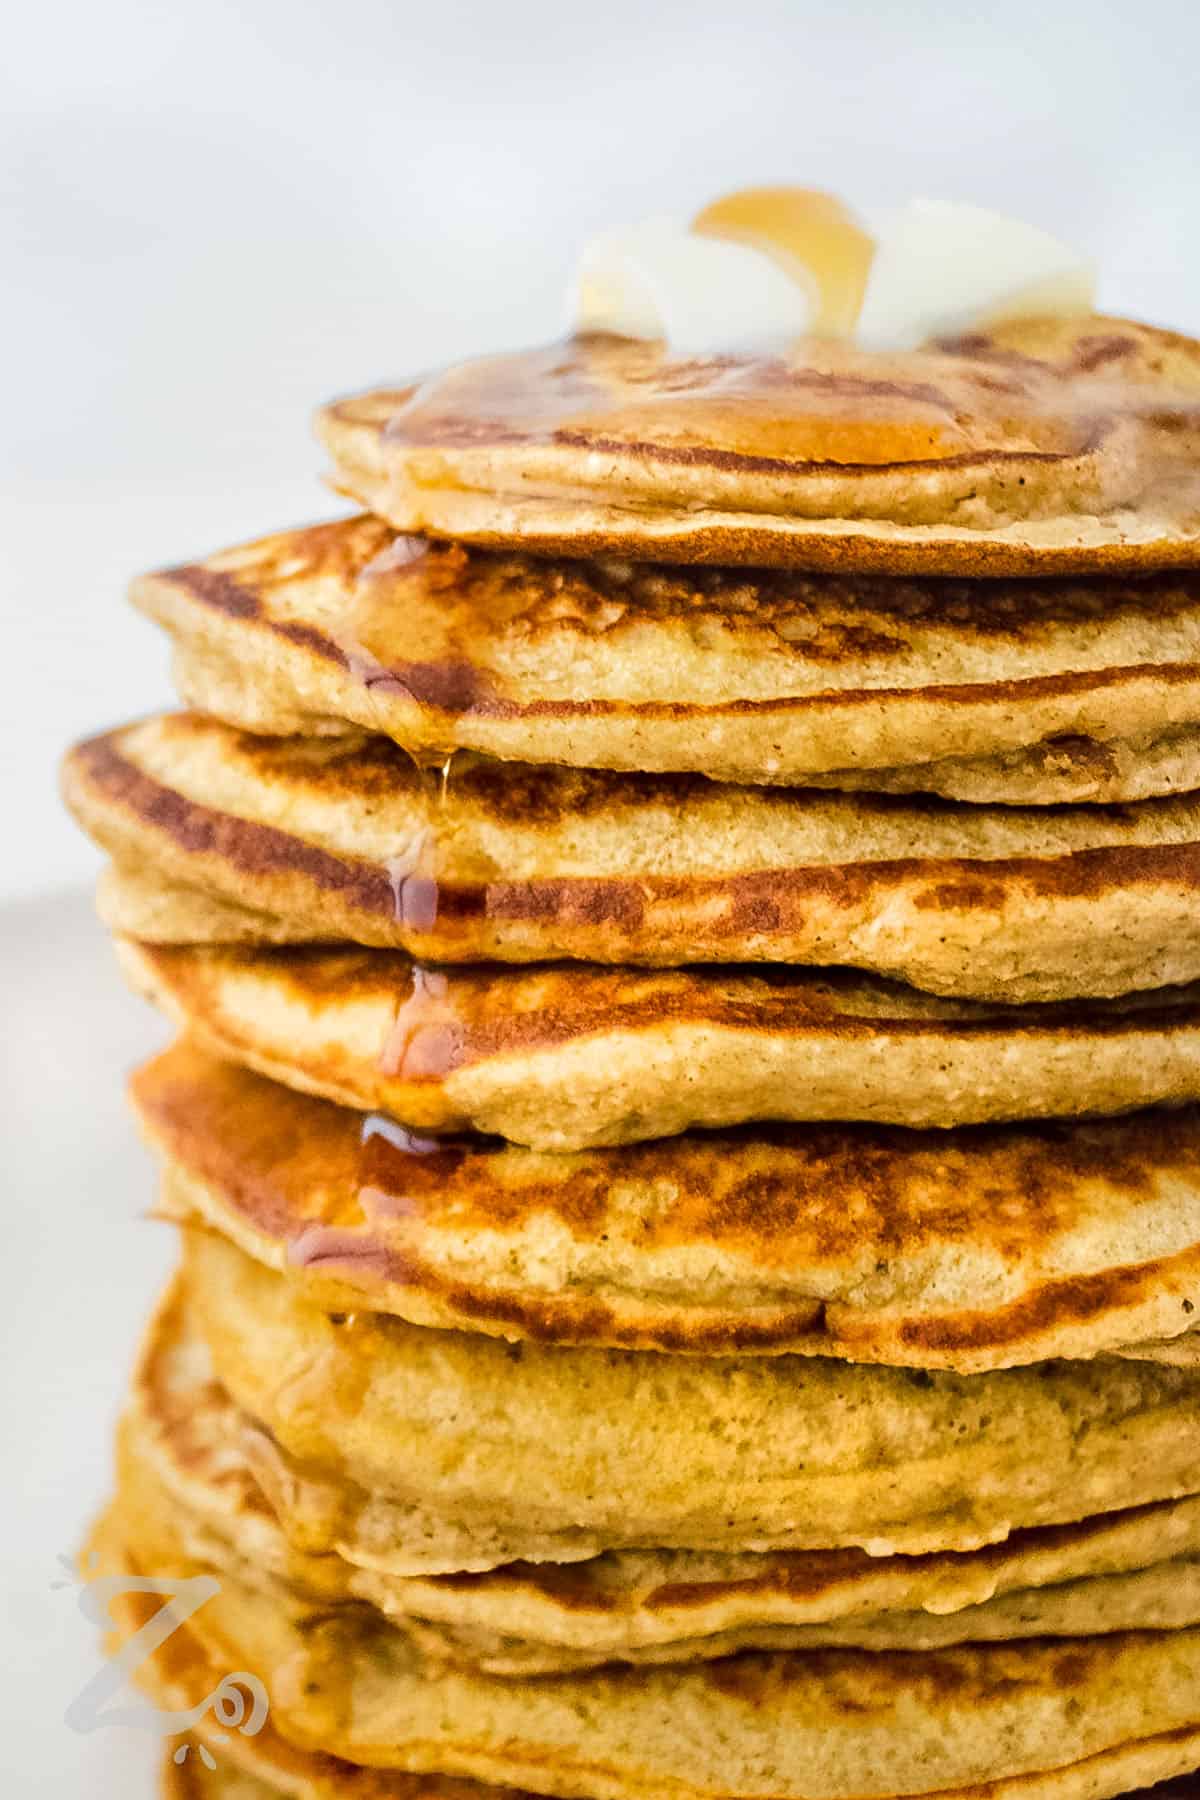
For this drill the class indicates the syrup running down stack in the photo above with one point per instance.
(683, 924)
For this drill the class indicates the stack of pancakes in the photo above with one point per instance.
(684, 923)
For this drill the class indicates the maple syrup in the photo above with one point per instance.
(836, 405)
(811, 235)
(376, 639)
(408, 633)
(386, 1162)
(398, 1171)
(425, 1042)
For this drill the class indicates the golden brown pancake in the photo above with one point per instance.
(987, 1248)
(572, 1057)
(184, 1672)
(1042, 446)
(557, 1454)
(193, 1782)
(1003, 903)
(1018, 691)
(1123, 1571)
(133, 901)
(835, 1723)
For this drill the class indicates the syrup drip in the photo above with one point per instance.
(425, 1042)
(386, 1144)
(412, 873)
(312, 1508)
(406, 636)
(398, 1169)
(399, 645)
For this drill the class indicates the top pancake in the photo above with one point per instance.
(1044, 445)
(1048, 691)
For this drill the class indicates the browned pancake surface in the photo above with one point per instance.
(1009, 690)
(564, 1058)
(983, 1249)
(1044, 444)
(345, 840)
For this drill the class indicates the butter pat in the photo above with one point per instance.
(943, 268)
(702, 295)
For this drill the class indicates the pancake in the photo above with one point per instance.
(558, 1454)
(985, 1249)
(184, 1671)
(1019, 904)
(840, 1724)
(134, 901)
(197, 1783)
(565, 1058)
(182, 1674)
(1041, 446)
(1018, 691)
(1119, 1572)
(191, 1780)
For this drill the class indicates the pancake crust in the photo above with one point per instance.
(682, 1452)
(1015, 691)
(568, 1058)
(835, 1723)
(986, 1249)
(1044, 445)
(1118, 1572)
(193, 1782)
(521, 864)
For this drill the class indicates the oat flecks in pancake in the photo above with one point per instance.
(522, 864)
(1041, 691)
(1046, 445)
(566, 1057)
(985, 1248)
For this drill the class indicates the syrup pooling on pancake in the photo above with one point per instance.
(842, 409)
(1047, 443)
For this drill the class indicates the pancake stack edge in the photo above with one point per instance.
(685, 1127)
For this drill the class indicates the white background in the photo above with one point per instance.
(218, 214)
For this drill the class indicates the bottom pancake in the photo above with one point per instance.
(191, 1780)
(1093, 1715)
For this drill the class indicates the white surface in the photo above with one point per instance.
(222, 213)
(81, 1263)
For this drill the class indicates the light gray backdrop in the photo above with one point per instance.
(224, 212)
